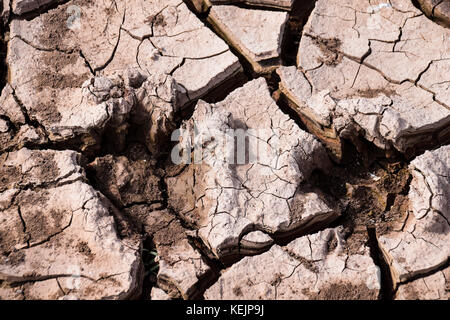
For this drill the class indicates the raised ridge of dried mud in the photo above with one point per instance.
(341, 189)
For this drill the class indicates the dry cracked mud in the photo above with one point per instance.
(225, 149)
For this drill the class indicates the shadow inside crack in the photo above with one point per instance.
(151, 267)
(299, 15)
(387, 291)
(4, 34)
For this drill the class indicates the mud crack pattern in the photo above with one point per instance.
(336, 184)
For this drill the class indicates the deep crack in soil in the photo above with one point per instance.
(301, 10)
(4, 34)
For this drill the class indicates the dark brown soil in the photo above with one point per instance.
(330, 50)
(171, 236)
(182, 197)
(332, 244)
(47, 113)
(8, 240)
(55, 23)
(55, 31)
(44, 224)
(237, 291)
(372, 197)
(369, 93)
(373, 93)
(343, 291)
(52, 79)
(55, 80)
(126, 182)
(276, 280)
(159, 21)
(8, 176)
(84, 249)
(308, 264)
(48, 168)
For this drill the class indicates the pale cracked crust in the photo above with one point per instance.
(91, 204)
(310, 267)
(433, 287)
(48, 210)
(422, 246)
(227, 200)
(256, 34)
(372, 69)
(51, 61)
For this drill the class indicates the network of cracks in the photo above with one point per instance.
(342, 187)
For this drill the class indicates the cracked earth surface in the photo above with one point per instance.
(340, 189)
